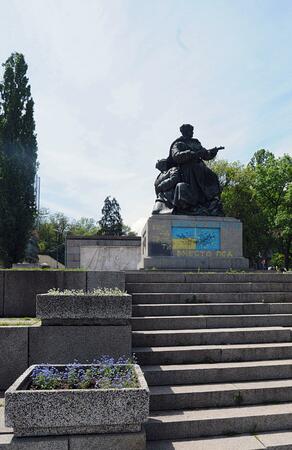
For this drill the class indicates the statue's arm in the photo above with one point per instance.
(210, 154)
(181, 153)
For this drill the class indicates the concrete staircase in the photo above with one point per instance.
(216, 350)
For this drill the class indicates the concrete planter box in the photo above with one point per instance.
(84, 309)
(75, 411)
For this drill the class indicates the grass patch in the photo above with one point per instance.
(19, 321)
(41, 269)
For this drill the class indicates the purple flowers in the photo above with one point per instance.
(104, 373)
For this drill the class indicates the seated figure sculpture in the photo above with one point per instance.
(165, 185)
(196, 190)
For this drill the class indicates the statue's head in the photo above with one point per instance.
(162, 165)
(187, 130)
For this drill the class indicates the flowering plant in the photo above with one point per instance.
(105, 373)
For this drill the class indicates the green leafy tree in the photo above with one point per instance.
(273, 191)
(111, 222)
(53, 229)
(239, 201)
(18, 161)
(84, 227)
(127, 231)
(260, 195)
(52, 234)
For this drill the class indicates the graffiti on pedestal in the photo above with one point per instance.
(196, 239)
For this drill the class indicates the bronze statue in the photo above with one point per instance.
(186, 185)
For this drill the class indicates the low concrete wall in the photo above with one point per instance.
(18, 289)
(13, 354)
(112, 257)
(22, 346)
(103, 252)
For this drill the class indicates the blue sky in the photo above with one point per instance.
(113, 80)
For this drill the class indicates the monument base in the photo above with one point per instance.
(192, 242)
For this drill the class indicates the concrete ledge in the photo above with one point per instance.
(193, 262)
(13, 354)
(156, 276)
(117, 441)
(10, 442)
(18, 289)
(21, 288)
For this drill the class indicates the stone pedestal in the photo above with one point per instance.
(192, 242)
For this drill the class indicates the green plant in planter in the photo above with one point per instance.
(105, 373)
(80, 292)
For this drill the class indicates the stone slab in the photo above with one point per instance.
(117, 441)
(1, 293)
(245, 442)
(277, 440)
(10, 442)
(74, 265)
(219, 421)
(110, 258)
(105, 280)
(59, 344)
(13, 354)
(114, 253)
(74, 280)
(21, 288)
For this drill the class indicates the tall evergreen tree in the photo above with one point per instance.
(18, 160)
(111, 221)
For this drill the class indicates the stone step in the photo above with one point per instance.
(225, 321)
(173, 309)
(167, 338)
(275, 440)
(187, 277)
(217, 373)
(191, 354)
(184, 424)
(220, 395)
(207, 287)
(211, 321)
(231, 297)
